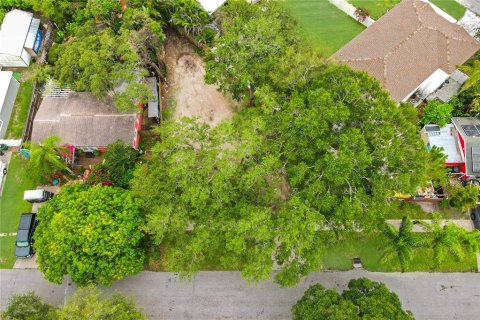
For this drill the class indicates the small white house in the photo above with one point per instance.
(20, 39)
(8, 92)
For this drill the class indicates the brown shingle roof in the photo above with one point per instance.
(406, 45)
(82, 120)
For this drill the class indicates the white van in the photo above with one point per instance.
(39, 195)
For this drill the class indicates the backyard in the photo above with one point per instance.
(378, 8)
(11, 206)
(20, 110)
(324, 24)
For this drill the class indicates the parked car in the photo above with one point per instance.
(37, 195)
(475, 216)
(24, 242)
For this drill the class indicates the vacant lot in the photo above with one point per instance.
(186, 91)
(324, 24)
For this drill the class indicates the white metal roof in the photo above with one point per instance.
(211, 5)
(13, 31)
(5, 78)
(153, 106)
(444, 138)
(33, 194)
(32, 33)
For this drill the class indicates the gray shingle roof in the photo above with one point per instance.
(83, 120)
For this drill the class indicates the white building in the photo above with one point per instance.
(8, 92)
(20, 39)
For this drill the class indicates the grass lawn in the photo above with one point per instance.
(451, 7)
(157, 260)
(378, 8)
(324, 24)
(7, 252)
(11, 200)
(11, 206)
(370, 249)
(414, 211)
(20, 109)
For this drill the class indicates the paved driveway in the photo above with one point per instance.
(224, 295)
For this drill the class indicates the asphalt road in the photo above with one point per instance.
(224, 295)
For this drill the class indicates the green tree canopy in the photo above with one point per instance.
(318, 303)
(45, 158)
(436, 112)
(446, 240)
(463, 198)
(375, 301)
(364, 299)
(330, 156)
(28, 306)
(91, 304)
(120, 161)
(401, 244)
(260, 33)
(92, 234)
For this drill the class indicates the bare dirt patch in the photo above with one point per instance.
(186, 89)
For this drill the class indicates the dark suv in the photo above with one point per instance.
(475, 216)
(24, 242)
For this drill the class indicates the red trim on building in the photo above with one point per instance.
(462, 145)
(138, 125)
(462, 165)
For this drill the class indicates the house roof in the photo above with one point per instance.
(469, 128)
(5, 79)
(408, 44)
(14, 31)
(83, 120)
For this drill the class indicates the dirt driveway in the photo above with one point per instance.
(186, 89)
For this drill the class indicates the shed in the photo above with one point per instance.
(154, 105)
(20, 38)
(8, 93)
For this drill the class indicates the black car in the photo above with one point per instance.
(475, 216)
(24, 242)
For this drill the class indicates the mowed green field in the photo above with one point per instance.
(378, 8)
(325, 25)
(451, 7)
(12, 206)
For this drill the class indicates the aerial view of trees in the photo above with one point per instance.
(316, 151)
(87, 303)
(45, 158)
(325, 152)
(92, 234)
(364, 299)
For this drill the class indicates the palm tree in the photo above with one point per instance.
(474, 73)
(445, 240)
(401, 244)
(45, 158)
(471, 240)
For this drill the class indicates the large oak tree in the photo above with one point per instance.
(92, 234)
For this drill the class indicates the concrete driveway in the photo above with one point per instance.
(225, 295)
